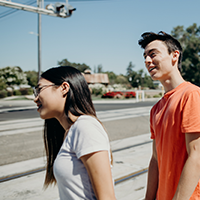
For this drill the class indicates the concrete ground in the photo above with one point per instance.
(130, 155)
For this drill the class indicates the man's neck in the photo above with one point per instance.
(172, 82)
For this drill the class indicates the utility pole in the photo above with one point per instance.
(62, 10)
(39, 4)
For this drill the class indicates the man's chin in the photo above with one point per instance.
(154, 78)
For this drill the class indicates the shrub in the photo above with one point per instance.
(24, 91)
(156, 96)
(9, 93)
(97, 91)
(3, 94)
(17, 92)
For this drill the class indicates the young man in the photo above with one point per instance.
(174, 169)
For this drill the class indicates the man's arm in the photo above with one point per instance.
(191, 171)
(152, 183)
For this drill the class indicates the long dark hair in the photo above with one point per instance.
(78, 102)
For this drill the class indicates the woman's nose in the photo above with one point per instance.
(36, 99)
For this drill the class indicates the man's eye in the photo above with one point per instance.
(152, 54)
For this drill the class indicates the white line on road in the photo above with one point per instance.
(36, 124)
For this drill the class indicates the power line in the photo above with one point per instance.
(12, 10)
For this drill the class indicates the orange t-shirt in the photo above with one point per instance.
(177, 113)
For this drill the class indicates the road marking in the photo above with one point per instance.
(12, 127)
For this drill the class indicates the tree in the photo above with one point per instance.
(99, 69)
(95, 70)
(190, 41)
(2, 83)
(121, 79)
(129, 69)
(13, 76)
(32, 78)
(140, 78)
(80, 67)
(112, 77)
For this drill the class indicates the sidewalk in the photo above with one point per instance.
(130, 155)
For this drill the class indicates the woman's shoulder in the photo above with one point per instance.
(87, 119)
(87, 122)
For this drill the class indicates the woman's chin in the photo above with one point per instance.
(45, 116)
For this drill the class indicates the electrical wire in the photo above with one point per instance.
(12, 10)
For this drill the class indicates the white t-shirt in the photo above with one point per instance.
(85, 136)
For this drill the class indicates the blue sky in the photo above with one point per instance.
(99, 32)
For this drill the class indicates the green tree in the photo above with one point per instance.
(129, 69)
(140, 78)
(121, 79)
(13, 76)
(112, 77)
(80, 67)
(2, 83)
(32, 78)
(99, 69)
(190, 41)
(95, 70)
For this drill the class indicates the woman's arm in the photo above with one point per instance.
(99, 170)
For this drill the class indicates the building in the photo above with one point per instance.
(96, 78)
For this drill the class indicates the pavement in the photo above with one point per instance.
(130, 156)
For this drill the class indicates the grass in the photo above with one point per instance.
(96, 97)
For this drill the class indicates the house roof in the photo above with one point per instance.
(96, 78)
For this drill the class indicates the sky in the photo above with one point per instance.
(102, 32)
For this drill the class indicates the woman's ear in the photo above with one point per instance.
(65, 88)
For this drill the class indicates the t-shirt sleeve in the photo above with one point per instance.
(191, 113)
(89, 136)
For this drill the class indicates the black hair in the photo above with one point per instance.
(78, 102)
(171, 43)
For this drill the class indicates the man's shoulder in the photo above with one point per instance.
(156, 105)
(190, 88)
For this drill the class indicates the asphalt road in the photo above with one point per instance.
(20, 147)
(32, 113)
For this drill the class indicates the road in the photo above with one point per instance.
(28, 144)
(21, 113)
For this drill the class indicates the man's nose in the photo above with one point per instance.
(147, 61)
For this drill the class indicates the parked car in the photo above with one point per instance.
(119, 94)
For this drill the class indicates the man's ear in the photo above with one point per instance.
(65, 88)
(175, 57)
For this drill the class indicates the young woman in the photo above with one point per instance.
(77, 146)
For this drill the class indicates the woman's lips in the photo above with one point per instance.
(39, 106)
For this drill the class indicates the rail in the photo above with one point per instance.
(117, 181)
